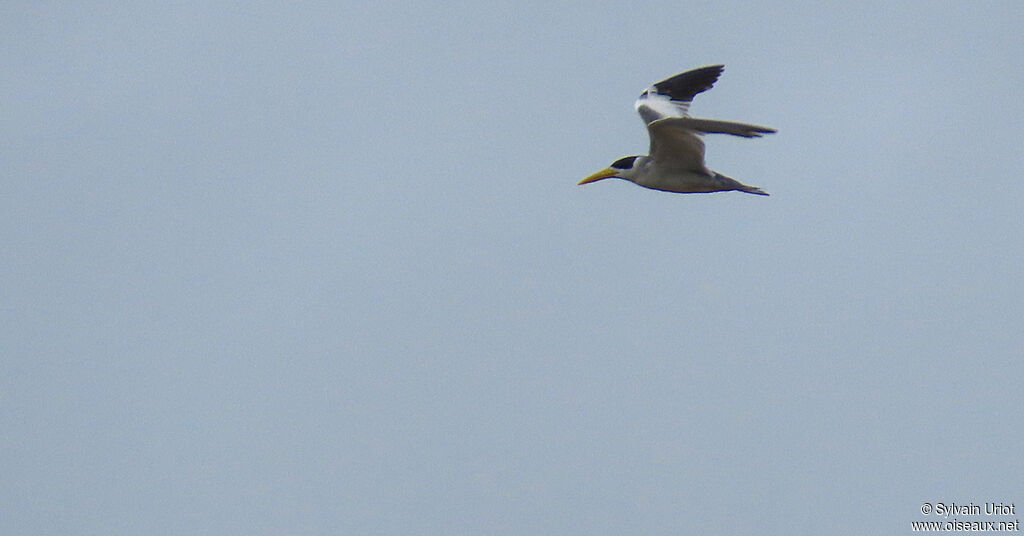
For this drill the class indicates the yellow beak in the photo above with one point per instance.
(603, 174)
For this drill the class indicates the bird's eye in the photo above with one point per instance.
(624, 163)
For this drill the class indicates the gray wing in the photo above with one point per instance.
(675, 147)
(714, 126)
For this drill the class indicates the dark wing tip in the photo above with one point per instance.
(684, 86)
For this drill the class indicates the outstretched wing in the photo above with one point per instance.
(676, 148)
(714, 126)
(672, 97)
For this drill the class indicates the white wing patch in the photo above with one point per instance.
(671, 97)
(653, 106)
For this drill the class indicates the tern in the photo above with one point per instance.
(676, 162)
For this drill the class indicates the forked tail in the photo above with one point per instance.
(733, 184)
(752, 190)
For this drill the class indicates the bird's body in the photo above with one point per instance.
(676, 159)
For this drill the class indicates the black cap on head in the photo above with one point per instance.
(624, 163)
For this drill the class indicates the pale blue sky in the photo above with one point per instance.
(323, 268)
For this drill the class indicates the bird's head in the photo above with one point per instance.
(623, 168)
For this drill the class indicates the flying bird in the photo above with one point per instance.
(676, 159)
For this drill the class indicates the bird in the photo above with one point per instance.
(676, 159)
